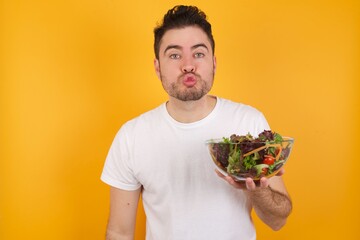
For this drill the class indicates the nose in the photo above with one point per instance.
(188, 66)
(188, 69)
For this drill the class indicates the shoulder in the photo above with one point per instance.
(237, 108)
(244, 118)
(145, 120)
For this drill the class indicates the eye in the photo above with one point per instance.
(174, 56)
(199, 55)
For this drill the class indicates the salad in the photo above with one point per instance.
(246, 156)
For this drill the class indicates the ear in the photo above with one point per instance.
(214, 64)
(157, 67)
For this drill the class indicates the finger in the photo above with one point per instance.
(219, 173)
(235, 184)
(264, 182)
(280, 172)
(250, 184)
(230, 180)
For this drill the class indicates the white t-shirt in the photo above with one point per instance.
(183, 197)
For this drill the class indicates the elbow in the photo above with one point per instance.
(114, 235)
(276, 226)
(281, 220)
(278, 222)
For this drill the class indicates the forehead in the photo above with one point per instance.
(184, 37)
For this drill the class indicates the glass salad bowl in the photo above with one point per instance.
(245, 156)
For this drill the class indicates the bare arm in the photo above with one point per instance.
(122, 217)
(270, 199)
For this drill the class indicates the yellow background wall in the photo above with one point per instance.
(72, 72)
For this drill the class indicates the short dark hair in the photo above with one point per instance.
(182, 16)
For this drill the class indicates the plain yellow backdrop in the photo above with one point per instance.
(72, 72)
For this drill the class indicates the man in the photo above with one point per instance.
(161, 154)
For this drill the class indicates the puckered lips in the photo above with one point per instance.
(189, 80)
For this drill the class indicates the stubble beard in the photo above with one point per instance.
(179, 91)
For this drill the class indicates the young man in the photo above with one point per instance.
(161, 154)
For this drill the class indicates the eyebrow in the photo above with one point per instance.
(179, 47)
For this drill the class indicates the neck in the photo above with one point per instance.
(190, 111)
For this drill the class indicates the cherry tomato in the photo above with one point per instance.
(269, 160)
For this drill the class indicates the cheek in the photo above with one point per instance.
(208, 69)
(168, 70)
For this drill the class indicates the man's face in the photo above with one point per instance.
(186, 64)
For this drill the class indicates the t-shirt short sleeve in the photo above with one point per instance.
(118, 169)
(262, 123)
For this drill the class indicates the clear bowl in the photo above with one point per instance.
(265, 159)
